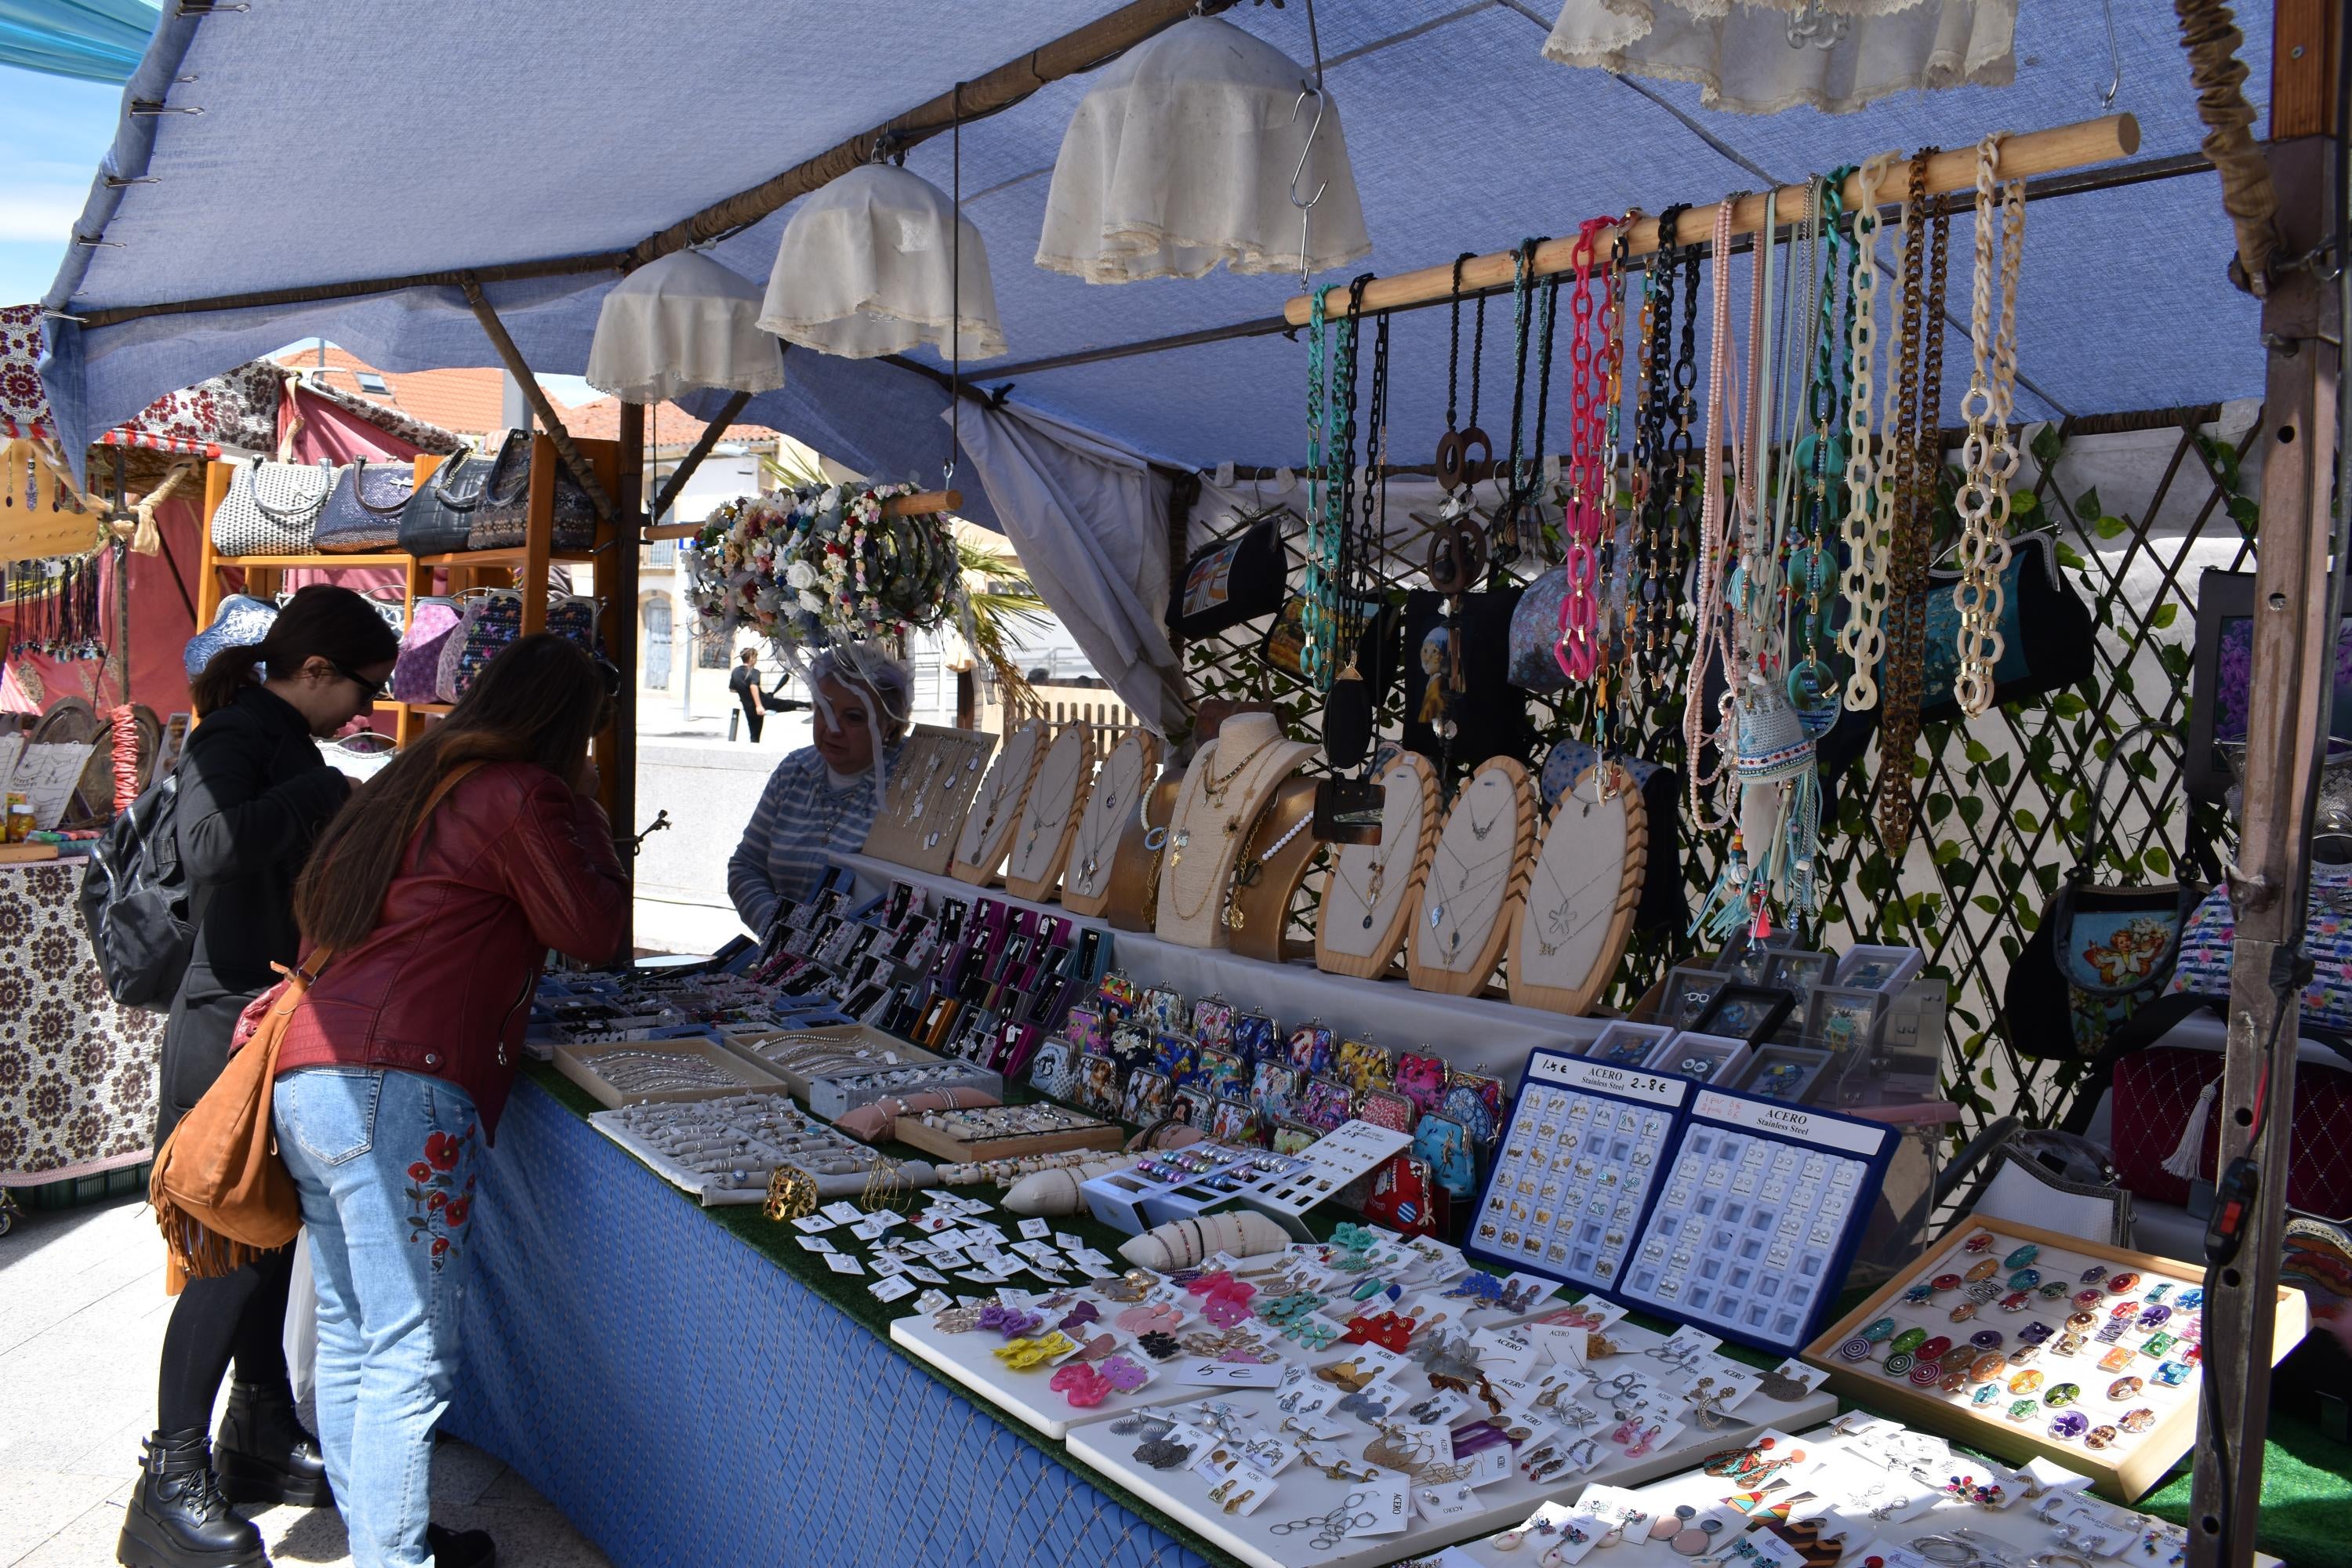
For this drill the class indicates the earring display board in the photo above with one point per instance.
(994, 813)
(1475, 877)
(1104, 823)
(1578, 1164)
(1374, 889)
(1225, 789)
(1275, 860)
(2041, 1344)
(928, 795)
(1571, 928)
(1757, 1218)
(1133, 903)
(1049, 815)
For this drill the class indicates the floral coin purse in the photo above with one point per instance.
(1386, 1108)
(1271, 1089)
(1311, 1048)
(1176, 1058)
(1254, 1038)
(1363, 1066)
(1162, 1010)
(1212, 1021)
(1325, 1104)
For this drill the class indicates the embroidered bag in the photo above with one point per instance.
(362, 511)
(1237, 580)
(271, 509)
(502, 521)
(416, 672)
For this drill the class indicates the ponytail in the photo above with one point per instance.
(216, 685)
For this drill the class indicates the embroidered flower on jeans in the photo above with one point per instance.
(420, 1172)
(442, 1150)
(437, 1205)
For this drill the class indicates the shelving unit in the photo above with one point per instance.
(523, 568)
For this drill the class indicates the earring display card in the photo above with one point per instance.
(1575, 1167)
(1757, 1218)
(2025, 1342)
(1349, 1150)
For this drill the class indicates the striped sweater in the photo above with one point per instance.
(800, 817)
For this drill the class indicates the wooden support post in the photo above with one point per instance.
(551, 423)
(693, 458)
(2293, 683)
(616, 749)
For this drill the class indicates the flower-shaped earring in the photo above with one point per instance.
(1160, 1345)
(1085, 1312)
(1145, 1319)
(1124, 1375)
(1081, 1385)
(1010, 1322)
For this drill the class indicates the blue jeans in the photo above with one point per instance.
(384, 1163)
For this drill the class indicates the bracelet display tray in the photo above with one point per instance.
(943, 1145)
(578, 1062)
(691, 1181)
(832, 1094)
(1256, 1538)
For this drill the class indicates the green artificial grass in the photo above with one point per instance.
(2307, 1478)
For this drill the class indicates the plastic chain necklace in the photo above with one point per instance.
(1918, 447)
(1578, 645)
(1861, 640)
(1650, 584)
(1988, 457)
(1612, 397)
(1812, 683)
(1331, 451)
(1314, 623)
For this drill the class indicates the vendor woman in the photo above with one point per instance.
(821, 797)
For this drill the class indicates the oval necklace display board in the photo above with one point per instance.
(1109, 810)
(995, 811)
(1049, 815)
(1225, 789)
(1369, 898)
(1281, 846)
(1474, 879)
(1578, 911)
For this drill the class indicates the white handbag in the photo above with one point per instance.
(272, 509)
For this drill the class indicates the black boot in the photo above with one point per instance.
(461, 1548)
(264, 1454)
(178, 1518)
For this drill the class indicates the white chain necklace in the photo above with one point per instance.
(1987, 456)
(1869, 521)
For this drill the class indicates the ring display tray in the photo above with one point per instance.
(964, 1136)
(834, 1090)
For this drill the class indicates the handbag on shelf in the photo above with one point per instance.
(272, 509)
(363, 511)
(2099, 953)
(1233, 580)
(492, 618)
(573, 616)
(241, 621)
(502, 521)
(435, 520)
(416, 670)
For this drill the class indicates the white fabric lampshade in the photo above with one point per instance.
(865, 267)
(1739, 51)
(678, 323)
(1180, 157)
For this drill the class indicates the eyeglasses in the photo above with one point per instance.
(373, 691)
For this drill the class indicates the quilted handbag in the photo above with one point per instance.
(1235, 580)
(502, 521)
(441, 511)
(362, 511)
(416, 672)
(493, 618)
(2164, 1125)
(272, 509)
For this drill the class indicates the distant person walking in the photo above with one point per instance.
(744, 682)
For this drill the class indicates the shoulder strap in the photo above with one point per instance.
(2100, 816)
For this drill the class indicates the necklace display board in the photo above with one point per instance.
(1570, 931)
(924, 805)
(2051, 1346)
(1108, 815)
(1049, 816)
(1475, 878)
(1275, 860)
(1225, 789)
(1133, 903)
(1374, 889)
(1757, 1218)
(994, 813)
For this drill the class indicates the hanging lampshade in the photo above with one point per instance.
(866, 269)
(1182, 156)
(678, 323)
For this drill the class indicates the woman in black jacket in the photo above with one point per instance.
(253, 795)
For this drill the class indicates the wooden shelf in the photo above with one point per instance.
(515, 557)
(278, 562)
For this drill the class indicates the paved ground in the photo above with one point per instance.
(82, 1311)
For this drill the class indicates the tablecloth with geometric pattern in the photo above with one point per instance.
(684, 1400)
(77, 1074)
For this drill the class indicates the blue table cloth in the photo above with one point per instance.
(685, 1401)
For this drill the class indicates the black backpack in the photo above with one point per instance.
(135, 902)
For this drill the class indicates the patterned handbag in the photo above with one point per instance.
(272, 509)
(438, 516)
(241, 622)
(493, 618)
(2203, 968)
(502, 521)
(416, 672)
(363, 511)
(1535, 634)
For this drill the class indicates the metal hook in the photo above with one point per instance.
(2115, 59)
(1306, 91)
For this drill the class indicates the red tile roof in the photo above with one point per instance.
(668, 426)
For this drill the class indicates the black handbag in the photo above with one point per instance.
(502, 521)
(438, 516)
(2099, 953)
(363, 511)
(1235, 580)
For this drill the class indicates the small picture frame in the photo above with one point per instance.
(1785, 1073)
(1747, 1013)
(1880, 968)
(1146, 1100)
(1843, 1019)
(1797, 969)
(1689, 992)
(1624, 1044)
(1710, 1059)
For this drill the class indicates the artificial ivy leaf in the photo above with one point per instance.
(2069, 559)
(2164, 614)
(2027, 822)
(2044, 444)
(2110, 527)
(2087, 503)
(2158, 861)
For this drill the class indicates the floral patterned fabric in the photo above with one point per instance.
(238, 409)
(77, 1074)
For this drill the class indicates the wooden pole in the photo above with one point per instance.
(712, 432)
(922, 503)
(2292, 688)
(616, 750)
(536, 395)
(1955, 169)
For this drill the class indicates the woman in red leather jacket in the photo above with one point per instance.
(427, 914)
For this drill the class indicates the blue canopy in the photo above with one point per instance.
(342, 142)
(94, 41)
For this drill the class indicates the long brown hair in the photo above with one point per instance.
(540, 702)
(320, 621)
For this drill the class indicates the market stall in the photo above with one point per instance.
(1452, 1063)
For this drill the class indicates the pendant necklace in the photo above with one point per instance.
(1469, 869)
(1213, 788)
(1371, 894)
(1063, 791)
(1107, 830)
(1559, 919)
